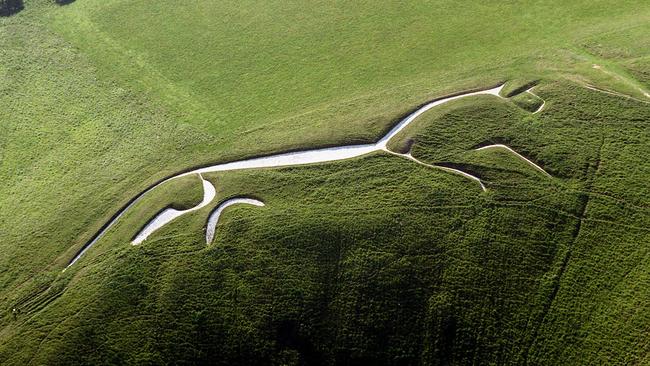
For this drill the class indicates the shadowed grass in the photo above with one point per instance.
(370, 261)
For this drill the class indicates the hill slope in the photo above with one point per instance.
(372, 260)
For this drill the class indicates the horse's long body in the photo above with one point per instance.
(280, 160)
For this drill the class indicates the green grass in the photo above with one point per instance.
(528, 101)
(373, 260)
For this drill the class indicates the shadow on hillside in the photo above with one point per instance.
(64, 2)
(10, 7)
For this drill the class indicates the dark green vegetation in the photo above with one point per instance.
(528, 101)
(370, 261)
(10, 7)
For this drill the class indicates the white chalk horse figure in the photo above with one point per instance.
(286, 159)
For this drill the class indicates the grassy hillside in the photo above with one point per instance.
(373, 260)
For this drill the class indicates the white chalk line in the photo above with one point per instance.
(501, 146)
(214, 216)
(614, 93)
(169, 214)
(447, 169)
(280, 160)
(530, 91)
